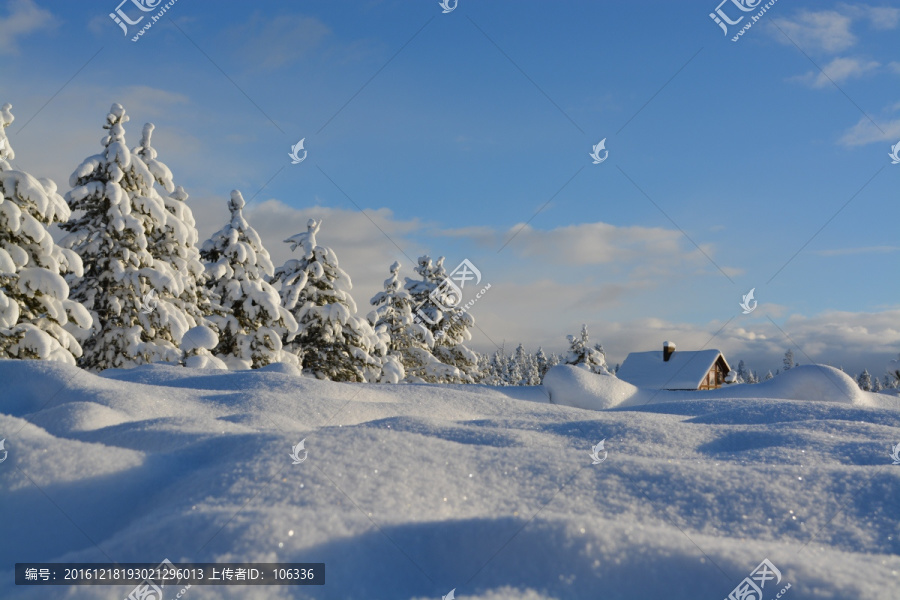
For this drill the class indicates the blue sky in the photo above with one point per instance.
(451, 131)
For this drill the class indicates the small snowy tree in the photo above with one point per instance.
(864, 381)
(769, 375)
(251, 329)
(449, 325)
(543, 363)
(117, 208)
(35, 308)
(741, 372)
(527, 367)
(411, 342)
(752, 377)
(876, 385)
(788, 359)
(581, 354)
(333, 341)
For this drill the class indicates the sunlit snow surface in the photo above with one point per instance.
(410, 491)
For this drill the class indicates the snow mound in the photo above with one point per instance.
(199, 337)
(806, 382)
(580, 388)
(574, 386)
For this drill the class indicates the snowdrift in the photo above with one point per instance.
(410, 491)
(574, 386)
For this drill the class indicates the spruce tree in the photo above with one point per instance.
(581, 354)
(35, 308)
(117, 208)
(332, 340)
(411, 342)
(253, 324)
(174, 241)
(788, 359)
(448, 324)
(864, 381)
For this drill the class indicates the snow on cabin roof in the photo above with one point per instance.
(684, 370)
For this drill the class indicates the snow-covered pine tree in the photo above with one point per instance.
(448, 324)
(876, 385)
(333, 341)
(581, 354)
(117, 208)
(175, 241)
(742, 375)
(526, 368)
(408, 340)
(542, 362)
(788, 359)
(864, 381)
(494, 369)
(254, 323)
(752, 376)
(769, 375)
(35, 308)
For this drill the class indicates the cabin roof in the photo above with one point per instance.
(685, 370)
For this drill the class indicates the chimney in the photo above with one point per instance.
(668, 351)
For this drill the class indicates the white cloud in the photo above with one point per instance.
(865, 132)
(837, 71)
(826, 30)
(829, 31)
(879, 17)
(24, 18)
(270, 41)
(648, 250)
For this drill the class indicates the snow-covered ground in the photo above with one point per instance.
(410, 491)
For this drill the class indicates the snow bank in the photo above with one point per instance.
(578, 387)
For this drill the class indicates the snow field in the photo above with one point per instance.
(412, 490)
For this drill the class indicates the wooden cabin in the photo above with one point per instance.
(670, 370)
